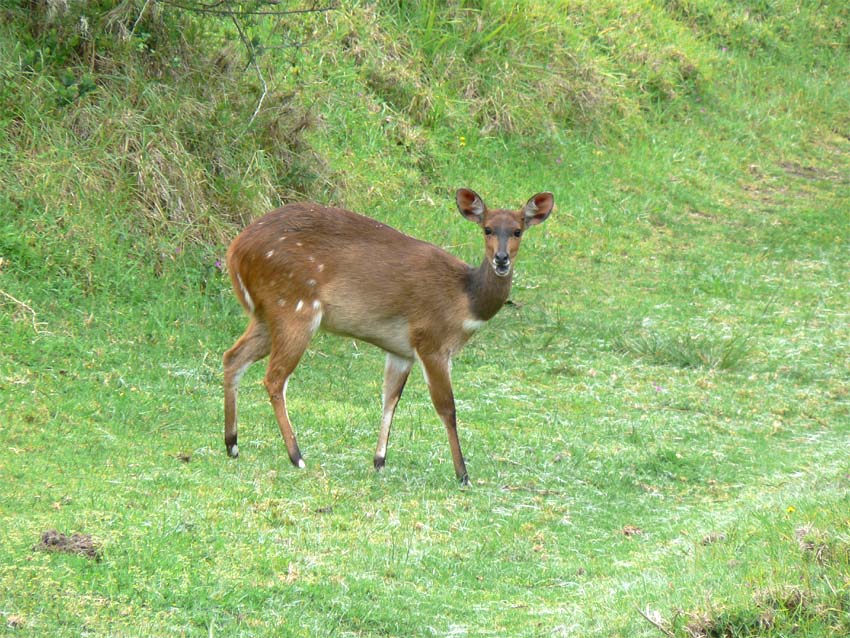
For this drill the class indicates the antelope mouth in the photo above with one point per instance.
(502, 269)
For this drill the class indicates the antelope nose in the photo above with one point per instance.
(502, 258)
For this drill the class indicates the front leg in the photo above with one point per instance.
(438, 375)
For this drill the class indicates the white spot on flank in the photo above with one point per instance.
(311, 258)
(282, 238)
(311, 282)
(281, 302)
(321, 267)
(269, 254)
(471, 325)
(299, 306)
(317, 305)
(299, 244)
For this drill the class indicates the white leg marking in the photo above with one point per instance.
(383, 438)
(245, 294)
(424, 371)
(237, 376)
(399, 363)
(317, 318)
(316, 321)
(301, 463)
(393, 364)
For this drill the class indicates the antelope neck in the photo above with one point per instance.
(487, 291)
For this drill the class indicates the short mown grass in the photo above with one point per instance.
(656, 426)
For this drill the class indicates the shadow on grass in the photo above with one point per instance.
(816, 605)
(687, 351)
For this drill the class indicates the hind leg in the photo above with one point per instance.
(289, 341)
(252, 346)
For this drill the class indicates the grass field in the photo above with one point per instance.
(656, 427)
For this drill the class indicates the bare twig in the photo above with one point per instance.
(656, 624)
(256, 66)
(532, 490)
(213, 5)
(27, 308)
(211, 8)
(138, 19)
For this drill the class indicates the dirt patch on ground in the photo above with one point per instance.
(81, 544)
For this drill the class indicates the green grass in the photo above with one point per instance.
(656, 428)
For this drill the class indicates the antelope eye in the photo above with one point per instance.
(517, 233)
(488, 231)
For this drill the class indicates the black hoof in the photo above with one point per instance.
(379, 463)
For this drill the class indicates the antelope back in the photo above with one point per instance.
(348, 273)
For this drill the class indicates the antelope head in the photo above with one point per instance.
(503, 229)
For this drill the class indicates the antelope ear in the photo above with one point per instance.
(538, 208)
(470, 205)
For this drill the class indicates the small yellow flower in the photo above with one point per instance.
(462, 141)
(791, 509)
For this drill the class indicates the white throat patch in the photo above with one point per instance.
(472, 325)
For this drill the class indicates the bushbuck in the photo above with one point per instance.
(304, 266)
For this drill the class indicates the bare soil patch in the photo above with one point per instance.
(80, 544)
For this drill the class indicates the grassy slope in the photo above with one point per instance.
(675, 364)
